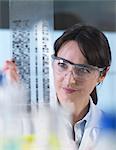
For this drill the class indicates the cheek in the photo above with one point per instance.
(91, 85)
(57, 81)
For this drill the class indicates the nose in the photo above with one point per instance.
(69, 77)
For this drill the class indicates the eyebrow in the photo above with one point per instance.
(58, 58)
(65, 60)
(81, 65)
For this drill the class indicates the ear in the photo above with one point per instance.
(102, 76)
(105, 72)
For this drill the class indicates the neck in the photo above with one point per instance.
(80, 113)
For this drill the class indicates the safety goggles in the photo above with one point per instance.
(80, 71)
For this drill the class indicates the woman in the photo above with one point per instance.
(81, 60)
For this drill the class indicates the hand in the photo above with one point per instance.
(11, 71)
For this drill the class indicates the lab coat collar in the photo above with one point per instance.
(92, 128)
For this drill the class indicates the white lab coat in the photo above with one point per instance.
(92, 130)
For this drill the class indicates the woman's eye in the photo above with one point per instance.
(62, 65)
(86, 70)
(83, 70)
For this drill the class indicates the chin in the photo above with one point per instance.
(67, 105)
(65, 100)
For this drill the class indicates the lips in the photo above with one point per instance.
(69, 90)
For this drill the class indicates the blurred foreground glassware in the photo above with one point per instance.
(25, 126)
(33, 127)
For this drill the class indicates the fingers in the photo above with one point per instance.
(11, 70)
